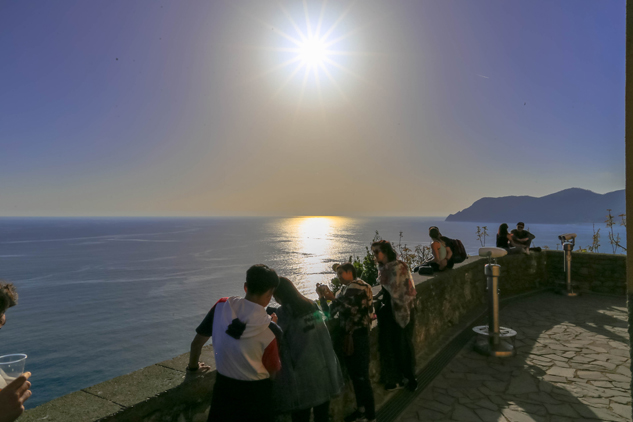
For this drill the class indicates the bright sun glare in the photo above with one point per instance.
(314, 47)
(313, 52)
(312, 44)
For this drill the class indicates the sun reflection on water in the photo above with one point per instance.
(314, 235)
(316, 243)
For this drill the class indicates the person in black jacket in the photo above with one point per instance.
(522, 238)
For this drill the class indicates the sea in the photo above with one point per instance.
(102, 297)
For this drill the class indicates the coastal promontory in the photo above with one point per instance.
(568, 206)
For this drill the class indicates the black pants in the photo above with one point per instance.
(397, 356)
(436, 266)
(358, 368)
(321, 414)
(239, 401)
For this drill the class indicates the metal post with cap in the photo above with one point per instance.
(568, 241)
(494, 340)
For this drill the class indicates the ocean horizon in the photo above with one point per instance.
(100, 297)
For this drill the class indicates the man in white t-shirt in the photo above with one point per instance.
(246, 350)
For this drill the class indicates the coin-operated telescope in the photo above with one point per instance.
(494, 340)
(568, 241)
(567, 237)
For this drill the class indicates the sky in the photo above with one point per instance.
(235, 108)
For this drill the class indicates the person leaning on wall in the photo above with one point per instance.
(13, 396)
(310, 374)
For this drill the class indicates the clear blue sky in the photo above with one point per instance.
(184, 108)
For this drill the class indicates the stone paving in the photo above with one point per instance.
(572, 364)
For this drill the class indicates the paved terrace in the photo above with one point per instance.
(572, 365)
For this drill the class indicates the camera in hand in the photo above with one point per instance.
(321, 288)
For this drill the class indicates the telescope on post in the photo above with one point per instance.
(493, 339)
(492, 253)
(567, 237)
(568, 240)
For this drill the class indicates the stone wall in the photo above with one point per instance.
(592, 272)
(445, 301)
(446, 298)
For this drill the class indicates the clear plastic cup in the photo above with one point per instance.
(11, 367)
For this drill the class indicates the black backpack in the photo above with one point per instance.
(457, 247)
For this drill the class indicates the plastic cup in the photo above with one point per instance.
(11, 367)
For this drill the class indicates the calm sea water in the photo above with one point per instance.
(104, 297)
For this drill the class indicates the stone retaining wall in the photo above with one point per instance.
(592, 272)
(157, 393)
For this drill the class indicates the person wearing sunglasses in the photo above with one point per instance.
(13, 396)
(395, 318)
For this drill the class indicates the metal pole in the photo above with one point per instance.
(492, 273)
(567, 247)
(499, 341)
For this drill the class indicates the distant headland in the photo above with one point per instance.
(569, 206)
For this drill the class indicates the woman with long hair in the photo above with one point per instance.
(442, 253)
(396, 318)
(310, 374)
(505, 240)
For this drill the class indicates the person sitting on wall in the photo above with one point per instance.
(522, 238)
(13, 396)
(505, 240)
(246, 350)
(442, 253)
(441, 246)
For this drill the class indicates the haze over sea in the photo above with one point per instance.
(102, 297)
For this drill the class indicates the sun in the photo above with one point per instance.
(316, 55)
(316, 51)
(313, 52)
